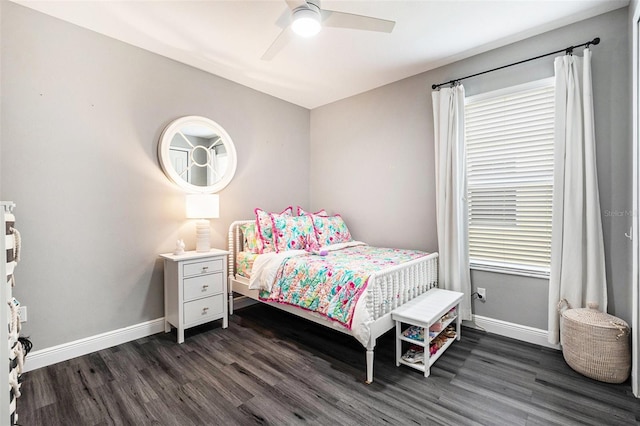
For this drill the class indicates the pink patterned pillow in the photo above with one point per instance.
(293, 232)
(321, 212)
(251, 240)
(331, 230)
(266, 243)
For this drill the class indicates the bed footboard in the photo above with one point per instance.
(397, 285)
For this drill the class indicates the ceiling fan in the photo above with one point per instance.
(307, 18)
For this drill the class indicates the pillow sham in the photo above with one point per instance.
(264, 223)
(250, 237)
(321, 212)
(293, 232)
(331, 230)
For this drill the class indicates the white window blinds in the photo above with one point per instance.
(509, 147)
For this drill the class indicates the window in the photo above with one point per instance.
(509, 148)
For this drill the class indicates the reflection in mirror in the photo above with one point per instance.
(201, 155)
(199, 158)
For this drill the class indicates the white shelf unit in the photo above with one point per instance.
(5, 412)
(8, 413)
(426, 311)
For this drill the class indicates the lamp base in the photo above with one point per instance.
(203, 240)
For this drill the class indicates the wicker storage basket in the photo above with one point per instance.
(595, 344)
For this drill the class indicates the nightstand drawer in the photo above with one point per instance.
(202, 309)
(205, 267)
(203, 285)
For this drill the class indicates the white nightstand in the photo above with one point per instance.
(195, 289)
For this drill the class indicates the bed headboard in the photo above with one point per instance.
(236, 243)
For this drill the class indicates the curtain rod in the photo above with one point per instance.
(567, 50)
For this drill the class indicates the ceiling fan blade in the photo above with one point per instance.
(278, 44)
(332, 18)
(294, 4)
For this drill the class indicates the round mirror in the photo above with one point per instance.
(197, 154)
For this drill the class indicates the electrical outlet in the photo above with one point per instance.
(22, 313)
(482, 294)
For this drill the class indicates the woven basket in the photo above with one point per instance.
(595, 344)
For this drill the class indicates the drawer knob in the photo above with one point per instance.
(205, 287)
(205, 310)
(205, 268)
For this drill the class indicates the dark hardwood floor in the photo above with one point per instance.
(270, 367)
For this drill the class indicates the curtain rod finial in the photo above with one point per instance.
(596, 41)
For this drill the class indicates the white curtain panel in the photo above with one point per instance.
(451, 191)
(577, 249)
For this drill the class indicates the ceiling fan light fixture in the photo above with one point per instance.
(306, 22)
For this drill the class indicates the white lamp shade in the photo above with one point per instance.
(203, 206)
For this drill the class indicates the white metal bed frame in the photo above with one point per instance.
(386, 290)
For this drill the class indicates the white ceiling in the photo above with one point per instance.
(227, 38)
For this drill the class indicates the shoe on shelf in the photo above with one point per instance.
(413, 355)
(450, 332)
(414, 332)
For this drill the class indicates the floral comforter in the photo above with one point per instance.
(329, 285)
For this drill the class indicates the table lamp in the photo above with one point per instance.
(203, 207)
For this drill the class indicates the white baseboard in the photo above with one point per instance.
(48, 356)
(66, 351)
(514, 331)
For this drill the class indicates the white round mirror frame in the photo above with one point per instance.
(165, 160)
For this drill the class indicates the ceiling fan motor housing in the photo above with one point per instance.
(306, 20)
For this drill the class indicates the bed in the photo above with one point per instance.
(388, 287)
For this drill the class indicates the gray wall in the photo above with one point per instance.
(372, 163)
(372, 159)
(81, 117)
